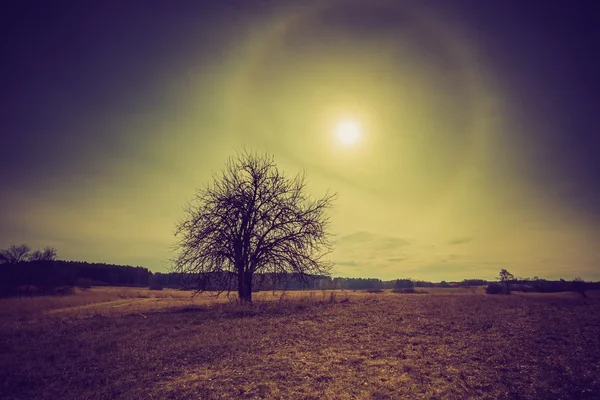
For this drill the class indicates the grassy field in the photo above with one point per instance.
(130, 343)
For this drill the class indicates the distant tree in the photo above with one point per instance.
(579, 285)
(506, 278)
(423, 284)
(474, 282)
(361, 283)
(48, 254)
(444, 284)
(404, 284)
(15, 254)
(253, 220)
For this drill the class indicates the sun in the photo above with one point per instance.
(348, 132)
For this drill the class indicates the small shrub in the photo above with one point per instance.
(60, 291)
(155, 286)
(495, 288)
(404, 284)
(375, 291)
(521, 287)
(83, 283)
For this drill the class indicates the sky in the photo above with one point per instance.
(478, 125)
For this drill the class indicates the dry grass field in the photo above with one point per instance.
(128, 343)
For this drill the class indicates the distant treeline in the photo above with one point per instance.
(293, 282)
(546, 286)
(46, 276)
(23, 271)
(225, 281)
(260, 282)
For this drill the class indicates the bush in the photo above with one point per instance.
(83, 283)
(521, 287)
(495, 288)
(404, 284)
(62, 291)
(155, 286)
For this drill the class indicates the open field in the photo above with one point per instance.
(451, 343)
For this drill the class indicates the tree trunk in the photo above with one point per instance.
(248, 279)
(245, 286)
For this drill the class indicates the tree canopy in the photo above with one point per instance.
(15, 254)
(507, 278)
(253, 220)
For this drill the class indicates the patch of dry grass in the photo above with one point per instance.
(35, 304)
(308, 345)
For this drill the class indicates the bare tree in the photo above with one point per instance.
(48, 254)
(15, 254)
(507, 278)
(253, 220)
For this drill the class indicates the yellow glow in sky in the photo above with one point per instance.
(348, 132)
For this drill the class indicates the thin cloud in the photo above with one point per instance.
(458, 241)
(363, 237)
(393, 243)
(346, 263)
(449, 258)
(397, 259)
(356, 237)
